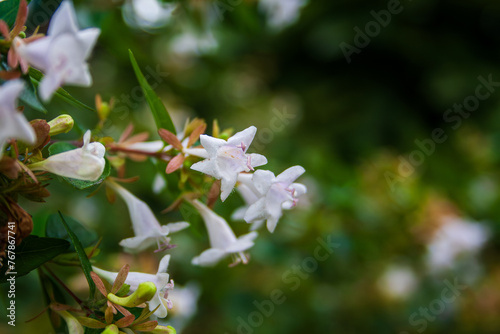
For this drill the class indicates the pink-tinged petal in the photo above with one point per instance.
(88, 38)
(211, 144)
(291, 174)
(163, 266)
(256, 211)
(262, 180)
(209, 257)
(257, 160)
(246, 137)
(35, 52)
(205, 166)
(63, 20)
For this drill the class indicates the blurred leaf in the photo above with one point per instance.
(30, 98)
(32, 253)
(160, 113)
(60, 147)
(40, 12)
(86, 266)
(37, 76)
(8, 11)
(54, 229)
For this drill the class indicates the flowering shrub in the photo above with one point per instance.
(34, 67)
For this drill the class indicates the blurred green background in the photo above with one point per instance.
(402, 235)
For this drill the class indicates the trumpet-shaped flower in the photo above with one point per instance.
(13, 124)
(226, 159)
(161, 280)
(84, 163)
(147, 229)
(63, 54)
(222, 239)
(277, 193)
(250, 195)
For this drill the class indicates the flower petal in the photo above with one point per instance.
(209, 257)
(291, 174)
(246, 137)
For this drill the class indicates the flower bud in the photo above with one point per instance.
(61, 124)
(144, 293)
(84, 163)
(73, 324)
(111, 329)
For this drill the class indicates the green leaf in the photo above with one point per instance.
(86, 266)
(37, 76)
(32, 253)
(54, 229)
(160, 113)
(60, 147)
(30, 98)
(8, 11)
(40, 12)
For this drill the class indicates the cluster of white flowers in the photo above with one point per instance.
(266, 195)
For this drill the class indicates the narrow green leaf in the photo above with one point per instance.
(8, 11)
(32, 253)
(60, 147)
(86, 266)
(160, 113)
(30, 98)
(37, 76)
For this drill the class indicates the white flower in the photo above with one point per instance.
(398, 282)
(184, 300)
(250, 195)
(456, 237)
(281, 13)
(148, 13)
(147, 229)
(190, 43)
(277, 193)
(226, 159)
(161, 280)
(13, 124)
(223, 242)
(62, 55)
(84, 163)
